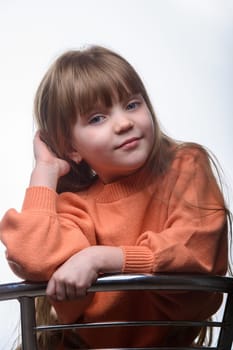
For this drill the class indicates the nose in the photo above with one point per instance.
(123, 124)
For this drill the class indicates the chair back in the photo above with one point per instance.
(26, 292)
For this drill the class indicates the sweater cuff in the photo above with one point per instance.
(40, 198)
(137, 259)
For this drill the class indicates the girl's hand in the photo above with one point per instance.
(48, 167)
(72, 279)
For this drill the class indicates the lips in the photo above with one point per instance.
(132, 140)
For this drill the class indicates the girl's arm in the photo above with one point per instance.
(194, 235)
(78, 273)
(38, 240)
(48, 168)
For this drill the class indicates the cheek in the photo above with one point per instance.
(90, 144)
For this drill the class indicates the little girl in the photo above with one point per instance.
(110, 192)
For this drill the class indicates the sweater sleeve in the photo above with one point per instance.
(47, 231)
(194, 236)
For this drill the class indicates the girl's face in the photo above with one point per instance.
(115, 141)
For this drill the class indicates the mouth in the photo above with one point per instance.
(129, 143)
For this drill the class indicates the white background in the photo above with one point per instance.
(183, 50)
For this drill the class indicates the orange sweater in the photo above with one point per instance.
(171, 223)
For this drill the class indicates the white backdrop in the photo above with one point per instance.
(183, 50)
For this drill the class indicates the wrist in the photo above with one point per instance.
(45, 174)
(106, 259)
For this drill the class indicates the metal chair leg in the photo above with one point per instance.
(28, 323)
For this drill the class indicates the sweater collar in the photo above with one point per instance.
(124, 187)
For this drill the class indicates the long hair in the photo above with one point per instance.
(74, 84)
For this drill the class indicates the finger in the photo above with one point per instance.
(80, 292)
(51, 288)
(70, 291)
(60, 291)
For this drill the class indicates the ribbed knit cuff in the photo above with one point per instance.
(137, 259)
(40, 198)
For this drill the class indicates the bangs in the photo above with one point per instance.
(104, 83)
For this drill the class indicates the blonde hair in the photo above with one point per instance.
(74, 84)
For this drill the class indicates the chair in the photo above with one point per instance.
(26, 292)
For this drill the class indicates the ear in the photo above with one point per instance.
(75, 156)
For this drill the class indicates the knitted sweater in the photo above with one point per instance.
(170, 223)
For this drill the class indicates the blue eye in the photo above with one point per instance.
(132, 105)
(96, 119)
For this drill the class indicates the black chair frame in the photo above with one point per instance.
(26, 292)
